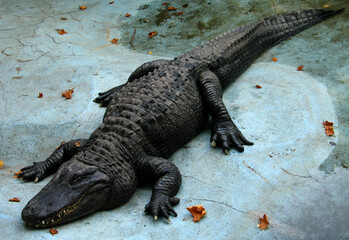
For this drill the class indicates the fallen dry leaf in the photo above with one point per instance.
(165, 3)
(82, 7)
(185, 5)
(264, 222)
(114, 41)
(14, 200)
(326, 5)
(53, 231)
(152, 34)
(68, 93)
(257, 86)
(63, 18)
(111, 2)
(179, 13)
(172, 8)
(197, 211)
(40, 95)
(274, 59)
(150, 52)
(328, 128)
(127, 15)
(1, 163)
(300, 68)
(61, 31)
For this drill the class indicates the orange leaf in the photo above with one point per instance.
(82, 7)
(114, 41)
(14, 200)
(172, 8)
(197, 211)
(257, 86)
(328, 128)
(264, 222)
(61, 31)
(165, 3)
(40, 95)
(152, 34)
(179, 13)
(53, 231)
(111, 2)
(274, 59)
(63, 18)
(300, 68)
(128, 15)
(16, 174)
(1, 163)
(68, 93)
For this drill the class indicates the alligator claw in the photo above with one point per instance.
(162, 206)
(35, 172)
(227, 135)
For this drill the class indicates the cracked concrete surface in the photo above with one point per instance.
(282, 175)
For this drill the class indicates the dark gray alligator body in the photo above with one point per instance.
(164, 104)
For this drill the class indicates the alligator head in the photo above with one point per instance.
(77, 189)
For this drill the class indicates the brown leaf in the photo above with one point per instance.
(197, 211)
(14, 200)
(68, 93)
(114, 41)
(264, 222)
(328, 128)
(300, 68)
(61, 31)
(172, 8)
(165, 3)
(127, 15)
(82, 7)
(274, 59)
(53, 231)
(257, 86)
(1, 163)
(185, 5)
(16, 174)
(152, 34)
(40, 95)
(111, 2)
(63, 18)
(179, 13)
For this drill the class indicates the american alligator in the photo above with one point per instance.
(163, 105)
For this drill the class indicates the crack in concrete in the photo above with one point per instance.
(295, 175)
(221, 203)
(263, 178)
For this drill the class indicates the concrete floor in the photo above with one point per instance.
(294, 173)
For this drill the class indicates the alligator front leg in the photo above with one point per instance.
(224, 132)
(167, 182)
(105, 97)
(40, 170)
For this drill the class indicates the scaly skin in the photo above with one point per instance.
(164, 104)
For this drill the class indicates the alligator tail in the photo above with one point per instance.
(280, 27)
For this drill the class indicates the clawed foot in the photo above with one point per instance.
(105, 97)
(162, 205)
(36, 172)
(227, 135)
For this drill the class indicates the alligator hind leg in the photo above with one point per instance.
(105, 97)
(167, 182)
(224, 132)
(40, 170)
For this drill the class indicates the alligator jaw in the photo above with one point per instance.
(76, 190)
